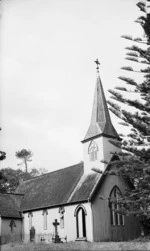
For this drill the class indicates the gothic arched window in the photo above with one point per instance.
(92, 151)
(116, 218)
(30, 215)
(45, 213)
(80, 214)
(61, 211)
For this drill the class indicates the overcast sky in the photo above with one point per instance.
(48, 48)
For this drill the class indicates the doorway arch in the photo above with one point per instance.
(80, 214)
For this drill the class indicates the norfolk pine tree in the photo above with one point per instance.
(134, 163)
(25, 155)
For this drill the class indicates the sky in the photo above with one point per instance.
(48, 75)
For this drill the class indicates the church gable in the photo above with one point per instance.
(10, 218)
(107, 224)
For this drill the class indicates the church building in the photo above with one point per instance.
(73, 203)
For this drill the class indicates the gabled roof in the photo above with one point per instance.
(10, 205)
(85, 188)
(100, 120)
(61, 187)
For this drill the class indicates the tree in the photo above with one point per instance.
(36, 172)
(11, 178)
(2, 181)
(134, 163)
(25, 155)
(2, 154)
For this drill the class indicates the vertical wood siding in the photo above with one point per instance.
(6, 235)
(103, 230)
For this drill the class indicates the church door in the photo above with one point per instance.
(81, 222)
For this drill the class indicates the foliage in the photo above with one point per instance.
(11, 178)
(134, 163)
(2, 154)
(25, 155)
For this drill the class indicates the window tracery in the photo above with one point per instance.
(116, 218)
(92, 151)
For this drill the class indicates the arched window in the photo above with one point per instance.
(80, 214)
(116, 218)
(30, 215)
(92, 151)
(45, 213)
(61, 211)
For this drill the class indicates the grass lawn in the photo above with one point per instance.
(97, 246)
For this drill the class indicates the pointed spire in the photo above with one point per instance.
(100, 120)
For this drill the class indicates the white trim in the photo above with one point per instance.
(80, 206)
(92, 221)
(0, 226)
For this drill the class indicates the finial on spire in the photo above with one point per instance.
(97, 63)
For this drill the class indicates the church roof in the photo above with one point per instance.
(61, 187)
(10, 205)
(100, 119)
(85, 188)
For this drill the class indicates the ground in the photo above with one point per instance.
(83, 246)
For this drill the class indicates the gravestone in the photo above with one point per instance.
(56, 238)
(32, 234)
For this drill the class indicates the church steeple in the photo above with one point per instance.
(100, 120)
(96, 144)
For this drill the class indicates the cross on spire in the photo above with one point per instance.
(97, 64)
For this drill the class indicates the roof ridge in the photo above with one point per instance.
(98, 177)
(20, 194)
(58, 170)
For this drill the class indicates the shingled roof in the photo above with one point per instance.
(85, 187)
(10, 205)
(64, 186)
(100, 120)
